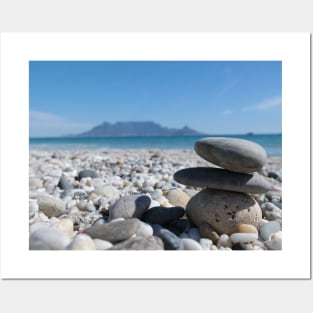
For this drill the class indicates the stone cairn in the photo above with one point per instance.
(226, 204)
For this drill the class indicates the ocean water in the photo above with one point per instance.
(271, 143)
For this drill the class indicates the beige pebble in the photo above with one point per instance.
(246, 228)
(65, 225)
(82, 242)
(177, 197)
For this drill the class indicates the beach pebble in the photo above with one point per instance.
(65, 225)
(271, 211)
(170, 240)
(82, 242)
(48, 239)
(246, 228)
(130, 206)
(224, 241)
(87, 173)
(156, 229)
(51, 206)
(65, 184)
(223, 210)
(144, 230)
(33, 208)
(190, 244)
(162, 215)
(177, 197)
(153, 204)
(219, 178)
(273, 244)
(206, 243)
(114, 232)
(207, 231)
(35, 183)
(140, 243)
(102, 244)
(243, 237)
(239, 246)
(35, 226)
(194, 234)
(268, 229)
(237, 155)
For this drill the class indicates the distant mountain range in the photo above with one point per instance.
(127, 129)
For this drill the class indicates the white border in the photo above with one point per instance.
(17, 49)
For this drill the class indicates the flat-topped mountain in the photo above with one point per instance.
(127, 129)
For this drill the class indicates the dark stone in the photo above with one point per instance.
(65, 184)
(183, 225)
(172, 228)
(238, 246)
(170, 240)
(161, 215)
(233, 154)
(114, 231)
(87, 173)
(218, 178)
(140, 243)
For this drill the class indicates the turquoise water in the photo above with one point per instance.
(271, 143)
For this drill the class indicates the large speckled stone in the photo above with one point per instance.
(114, 231)
(219, 178)
(130, 206)
(223, 210)
(233, 154)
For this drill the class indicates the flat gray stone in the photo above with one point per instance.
(237, 155)
(219, 178)
(140, 243)
(115, 231)
(223, 210)
(130, 206)
(65, 184)
(87, 173)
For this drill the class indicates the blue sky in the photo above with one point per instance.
(224, 97)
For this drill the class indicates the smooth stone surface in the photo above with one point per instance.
(207, 231)
(156, 229)
(268, 229)
(114, 232)
(65, 184)
(140, 243)
(223, 210)
(178, 197)
(82, 242)
(233, 154)
(206, 243)
(194, 234)
(161, 215)
(65, 225)
(271, 211)
(243, 237)
(246, 228)
(273, 244)
(87, 173)
(51, 206)
(102, 244)
(108, 191)
(190, 244)
(170, 240)
(224, 241)
(130, 206)
(48, 239)
(33, 208)
(38, 225)
(144, 230)
(219, 178)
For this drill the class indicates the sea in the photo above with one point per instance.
(272, 143)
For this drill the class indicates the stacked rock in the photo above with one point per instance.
(226, 205)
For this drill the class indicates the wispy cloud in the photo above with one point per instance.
(228, 86)
(227, 112)
(264, 105)
(48, 121)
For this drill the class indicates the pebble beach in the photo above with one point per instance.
(118, 199)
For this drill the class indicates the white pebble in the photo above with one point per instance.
(82, 242)
(190, 244)
(224, 241)
(206, 243)
(243, 237)
(102, 244)
(48, 239)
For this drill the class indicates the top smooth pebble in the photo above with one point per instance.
(237, 155)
